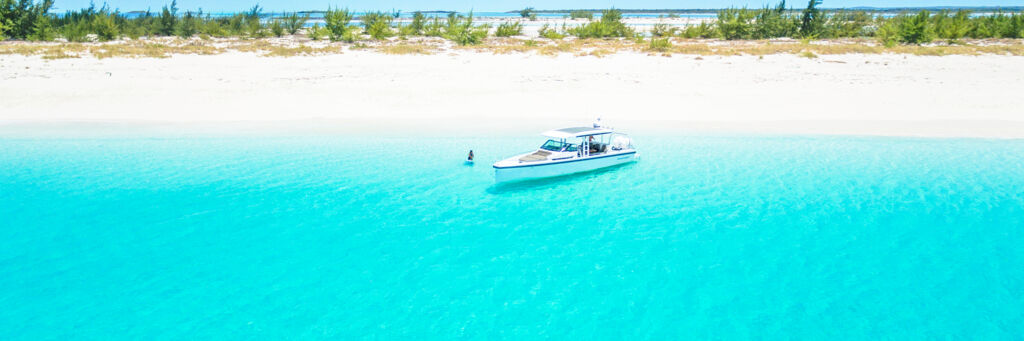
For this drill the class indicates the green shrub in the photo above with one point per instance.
(703, 30)
(24, 19)
(294, 22)
(316, 32)
(734, 23)
(888, 33)
(212, 28)
(812, 20)
(610, 25)
(509, 29)
(581, 14)
(350, 36)
(133, 32)
(952, 27)
(43, 30)
(75, 32)
(104, 26)
(915, 29)
(418, 23)
(526, 12)
(460, 29)
(337, 24)
(168, 19)
(998, 25)
(547, 32)
(253, 27)
(277, 28)
(188, 25)
(378, 25)
(774, 23)
(434, 28)
(662, 30)
(1017, 26)
(659, 45)
(847, 24)
(5, 22)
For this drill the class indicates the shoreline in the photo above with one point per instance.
(101, 129)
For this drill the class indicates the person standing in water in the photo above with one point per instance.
(470, 155)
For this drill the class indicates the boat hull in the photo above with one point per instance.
(549, 169)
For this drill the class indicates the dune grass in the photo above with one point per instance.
(165, 47)
(405, 48)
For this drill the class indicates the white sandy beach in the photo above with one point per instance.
(481, 93)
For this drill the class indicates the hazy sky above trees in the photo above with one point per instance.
(501, 5)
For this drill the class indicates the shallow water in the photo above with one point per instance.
(315, 237)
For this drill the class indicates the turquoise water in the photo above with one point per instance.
(326, 237)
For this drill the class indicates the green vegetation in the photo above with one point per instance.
(336, 21)
(813, 23)
(773, 22)
(610, 25)
(526, 12)
(316, 32)
(378, 25)
(293, 22)
(703, 30)
(547, 32)
(659, 45)
(735, 23)
(417, 25)
(32, 20)
(509, 29)
(581, 14)
(277, 27)
(461, 30)
(663, 30)
(24, 19)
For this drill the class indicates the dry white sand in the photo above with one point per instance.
(478, 94)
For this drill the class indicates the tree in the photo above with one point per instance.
(526, 12)
(418, 23)
(916, 29)
(22, 18)
(5, 20)
(336, 22)
(169, 19)
(812, 20)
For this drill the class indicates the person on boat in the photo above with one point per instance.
(470, 155)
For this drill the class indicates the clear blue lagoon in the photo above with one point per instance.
(346, 237)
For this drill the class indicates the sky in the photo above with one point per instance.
(502, 5)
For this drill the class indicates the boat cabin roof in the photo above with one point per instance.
(576, 132)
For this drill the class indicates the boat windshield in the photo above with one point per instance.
(553, 145)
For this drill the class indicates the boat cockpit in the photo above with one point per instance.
(590, 143)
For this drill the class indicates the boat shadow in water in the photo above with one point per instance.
(568, 179)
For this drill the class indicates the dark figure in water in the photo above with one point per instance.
(470, 155)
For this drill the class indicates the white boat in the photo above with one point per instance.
(569, 150)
